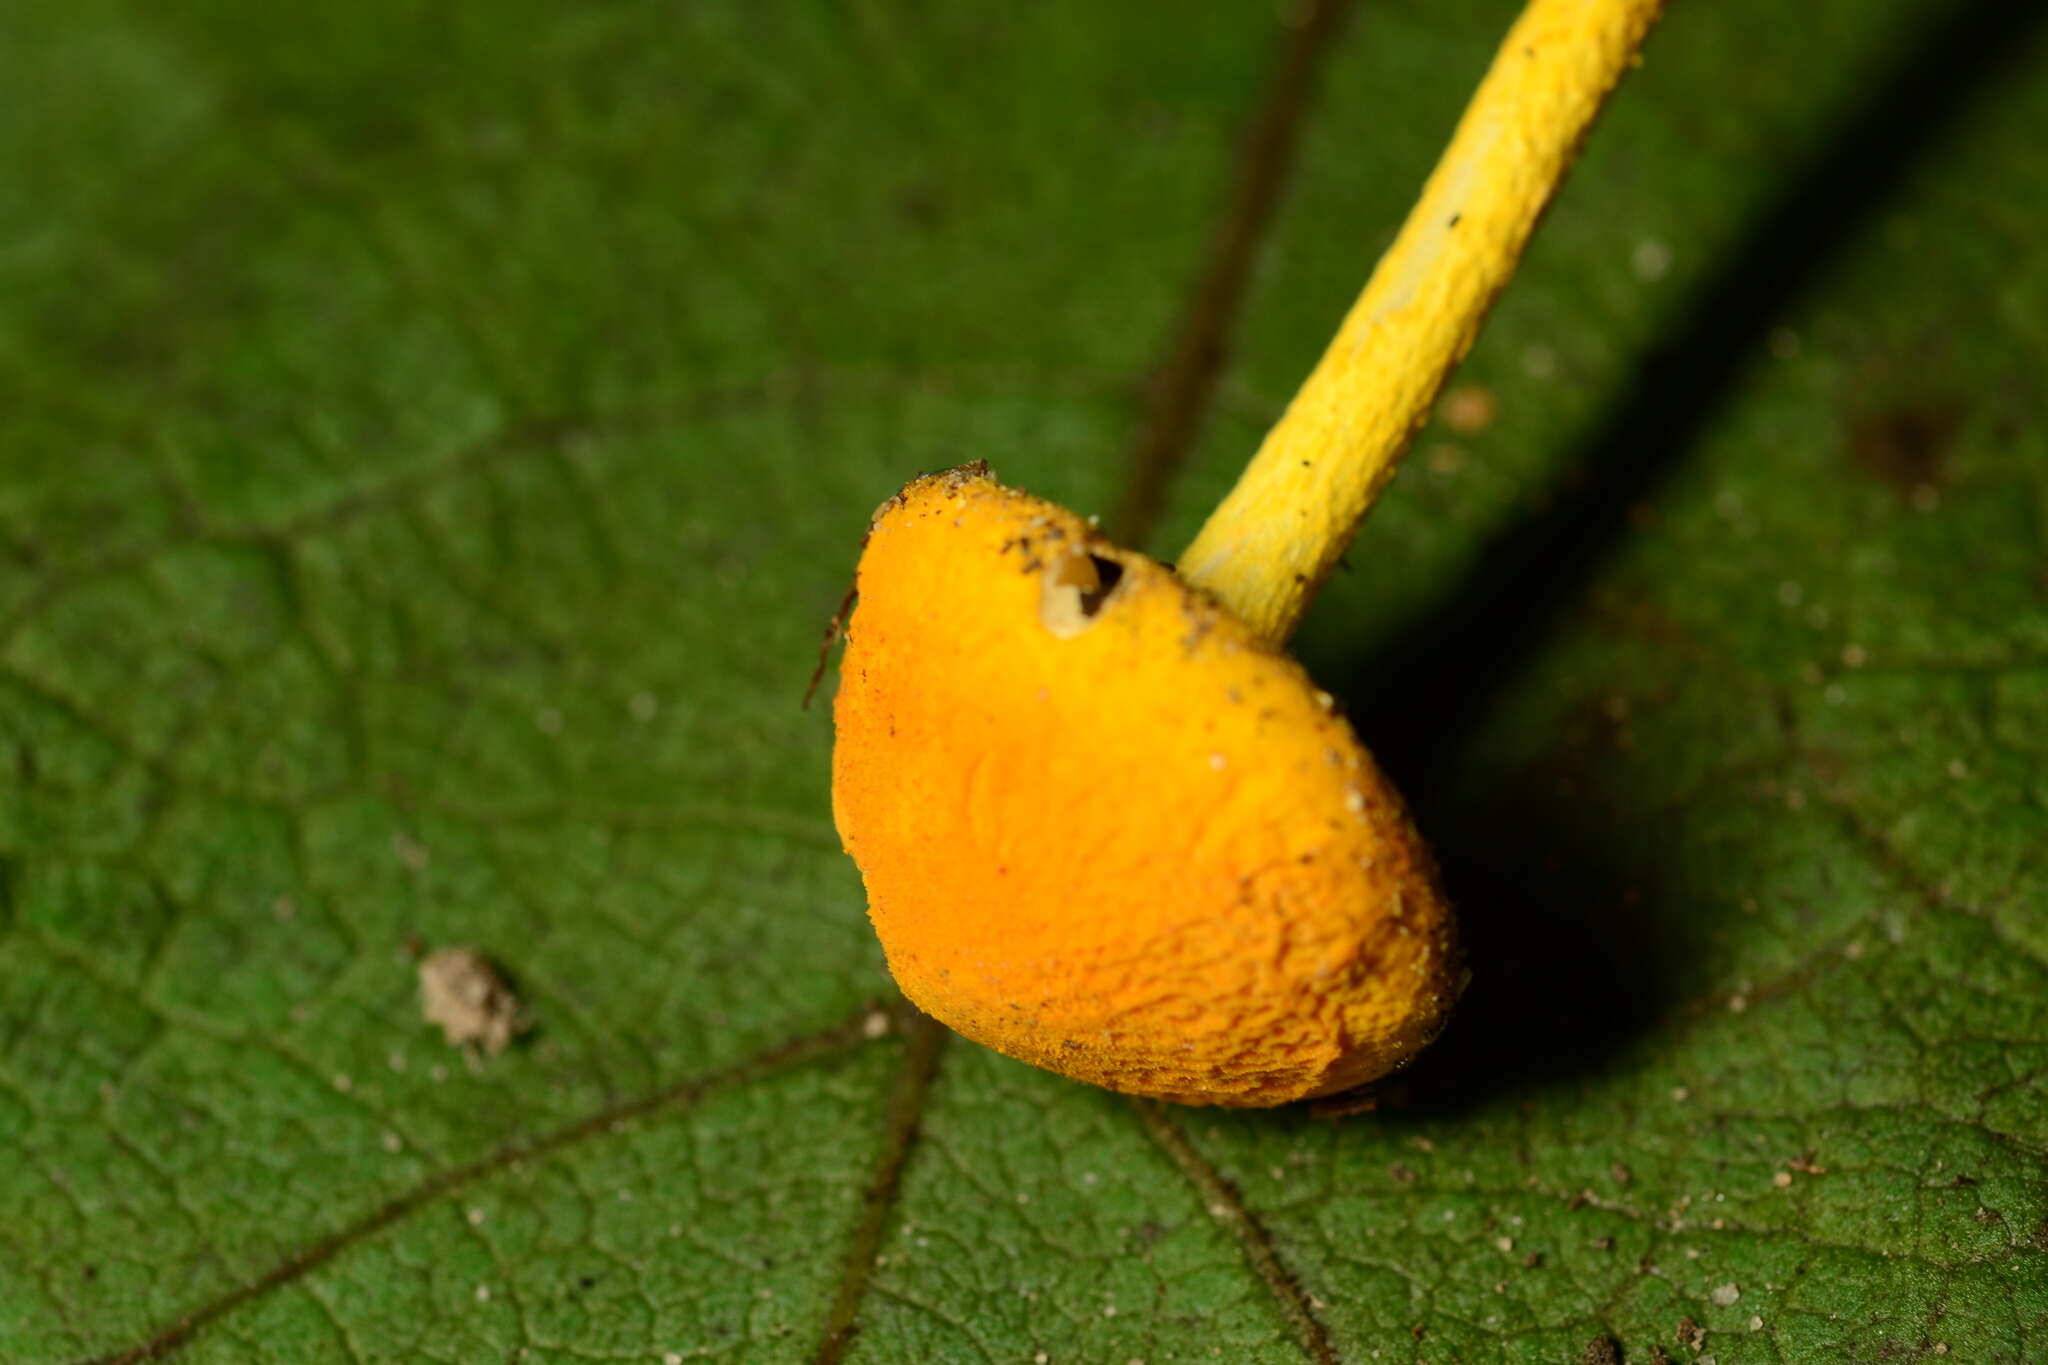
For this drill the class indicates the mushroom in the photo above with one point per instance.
(1105, 824)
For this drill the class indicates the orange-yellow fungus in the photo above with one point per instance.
(1106, 825)
(1106, 829)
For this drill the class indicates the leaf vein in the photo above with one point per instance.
(793, 1052)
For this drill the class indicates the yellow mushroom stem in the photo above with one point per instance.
(1105, 824)
(1271, 542)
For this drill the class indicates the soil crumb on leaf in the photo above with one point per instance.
(462, 992)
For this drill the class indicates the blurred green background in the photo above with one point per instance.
(433, 436)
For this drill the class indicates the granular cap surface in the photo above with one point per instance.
(1105, 829)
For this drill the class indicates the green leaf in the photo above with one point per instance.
(434, 436)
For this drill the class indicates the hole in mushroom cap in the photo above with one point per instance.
(1073, 590)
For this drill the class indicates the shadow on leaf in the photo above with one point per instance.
(1571, 957)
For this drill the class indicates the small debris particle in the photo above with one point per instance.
(671, 1358)
(1852, 951)
(876, 1025)
(409, 851)
(1782, 1179)
(1804, 1164)
(1401, 1173)
(475, 1217)
(1957, 768)
(1756, 1324)
(1470, 408)
(1601, 1351)
(343, 1083)
(1109, 1310)
(483, 1293)
(1725, 1294)
(396, 1061)
(1620, 1174)
(1422, 1144)
(1041, 1359)
(1658, 1356)
(1578, 1201)
(1906, 447)
(1855, 656)
(1354, 801)
(392, 1142)
(1504, 1243)
(1651, 260)
(463, 993)
(1500, 1286)
(1689, 1334)
(1738, 1003)
(1679, 1094)
(1603, 1244)
(1532, 1260)
(1941, 1348)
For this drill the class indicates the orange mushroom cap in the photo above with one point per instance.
(1106, 825)
(1107, 829)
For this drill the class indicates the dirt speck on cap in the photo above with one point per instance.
(463, 993)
